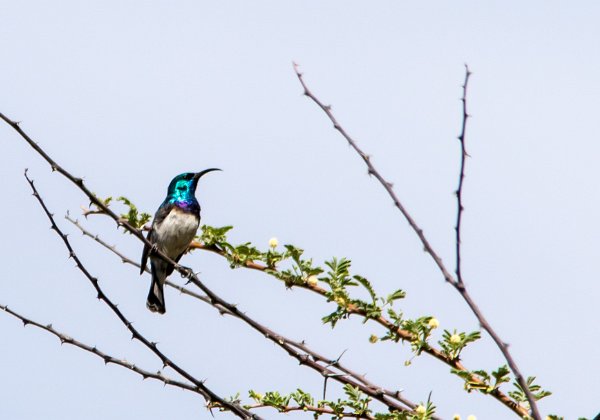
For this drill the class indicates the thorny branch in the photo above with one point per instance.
(211, 397)
(457, 284)
(65, 339)
(393, 400)
(461, 177)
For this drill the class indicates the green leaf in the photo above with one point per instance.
(367, 286)
(133, 217)
(501, 375)
(211, 236)
(452, 344)
(302, 398)
(398, 294)
(518, 395)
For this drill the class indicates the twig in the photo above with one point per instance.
(429, 249)
(459, 283)
(461, 177)
(212, 398)
(65, 339)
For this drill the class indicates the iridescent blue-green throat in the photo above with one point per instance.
(182, 189)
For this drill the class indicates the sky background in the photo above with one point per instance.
(129, 94)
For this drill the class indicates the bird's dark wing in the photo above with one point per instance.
(145, 253)
(160, 215)
(162, 212)
(171, 267)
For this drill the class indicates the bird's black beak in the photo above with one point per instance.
(199, 174)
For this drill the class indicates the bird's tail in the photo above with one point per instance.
(156, 296)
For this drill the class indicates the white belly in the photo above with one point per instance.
(176, 231)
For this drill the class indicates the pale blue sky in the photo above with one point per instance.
(129, 94)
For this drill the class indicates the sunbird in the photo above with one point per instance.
(173, 229)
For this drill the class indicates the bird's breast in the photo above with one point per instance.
(176, 231)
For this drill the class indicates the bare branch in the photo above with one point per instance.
(373, 171)
(65, 339)
(459, 284)
(461, 177)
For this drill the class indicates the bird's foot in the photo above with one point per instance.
(187, 272)
(153, 249)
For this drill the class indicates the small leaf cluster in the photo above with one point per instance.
(338, 278)
(482, 381)
(298, 273)
(452, 344)
(133, 216)
(238, 256)
(244, 254)
(486, 383)
(357, 401)
(355, 404)
(215, 236)
(424, 411)
(518, 395)
(420, 330)
(281, 402)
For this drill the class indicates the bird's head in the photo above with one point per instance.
(184, 185)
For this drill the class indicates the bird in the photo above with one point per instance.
(173, 229)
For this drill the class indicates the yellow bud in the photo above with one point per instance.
(373, 338)
(471, 417)
(340, 301)
(273, 242)
(312, 280)
(456, 417)
(420, 409)
(455, 339)
(433, 323)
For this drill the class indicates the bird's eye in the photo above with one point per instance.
(182, 188)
